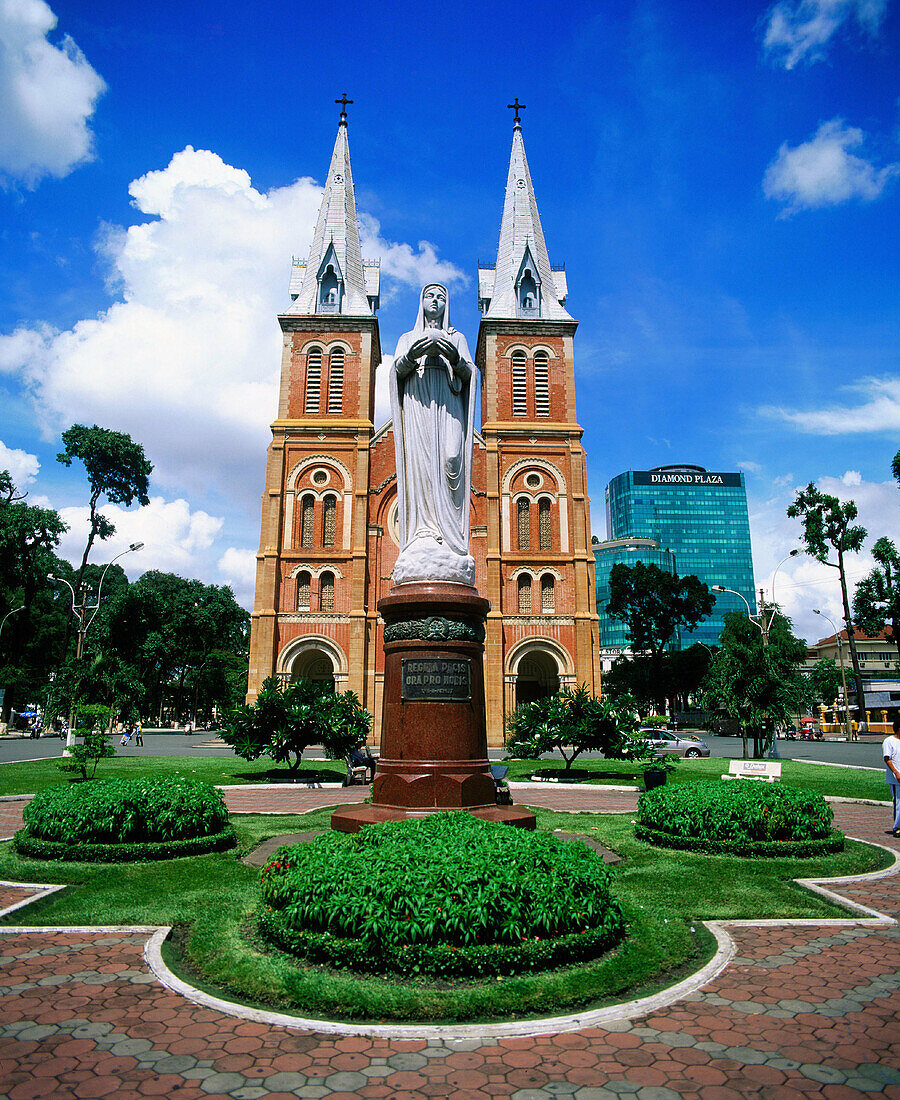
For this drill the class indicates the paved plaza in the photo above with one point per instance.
(804, 1008)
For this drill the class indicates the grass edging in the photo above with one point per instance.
(38, 848)
(754, 849)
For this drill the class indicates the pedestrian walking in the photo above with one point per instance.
(139, 735)
(890, 750)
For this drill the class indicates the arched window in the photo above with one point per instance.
(326, 592)
(336, 381)
(306, 520)
(313, 380)
(548, 593)
(541, 384)
(524, 594)
(519, 384)
(304, 588)
(528, 295)
(524, 514)
(329, 291)
(544, 522)
(330, 508)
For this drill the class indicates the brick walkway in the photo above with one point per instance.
(806, 1009)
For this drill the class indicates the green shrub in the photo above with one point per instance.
(37, 848)
(447, 895)
(121, 811)
(93, 748)
(718, 816)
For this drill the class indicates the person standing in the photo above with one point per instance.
(139, 739)
(890, 750)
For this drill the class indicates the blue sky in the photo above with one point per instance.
(721, 181)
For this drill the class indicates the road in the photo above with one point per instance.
(171, 743)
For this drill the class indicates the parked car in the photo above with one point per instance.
(665, 742)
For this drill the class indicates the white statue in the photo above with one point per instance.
(432, 386)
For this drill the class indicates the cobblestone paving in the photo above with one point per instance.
(800, 1011)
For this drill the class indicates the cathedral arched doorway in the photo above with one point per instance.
(537, 676)
(313, 664)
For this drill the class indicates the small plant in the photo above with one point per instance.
(93, 748)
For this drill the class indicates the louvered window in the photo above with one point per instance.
(313, 380)
(548, 601)
(520, 384)
(326, 592)
(336, 381)
(330, 508)
(306, 520)
(544, 522)
(541, 384)
(524, 595)
(524, 524)
(303, 592)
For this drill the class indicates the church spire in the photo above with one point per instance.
(334, 278)
(522, 284)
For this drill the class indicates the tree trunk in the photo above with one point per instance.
(857, 674)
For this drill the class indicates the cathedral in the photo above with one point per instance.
(330, 534)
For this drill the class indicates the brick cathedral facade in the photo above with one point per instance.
(329, 532)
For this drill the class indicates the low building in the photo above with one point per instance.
(878, 663)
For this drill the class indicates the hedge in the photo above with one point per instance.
(37, 848)
(445, 895)
(126, 811)
(741, 817)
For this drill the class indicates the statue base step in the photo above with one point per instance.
(354, 818)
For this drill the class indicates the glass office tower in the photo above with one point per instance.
(701, 518)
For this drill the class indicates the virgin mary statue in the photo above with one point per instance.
(432, 384)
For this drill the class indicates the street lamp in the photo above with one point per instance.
(764, 626)
(80, 613)
(7, 615)
(840, 650)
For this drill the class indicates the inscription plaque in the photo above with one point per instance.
(442, 679)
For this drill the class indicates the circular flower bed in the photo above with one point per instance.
(112, 820)
(447, 896)
(739, 818)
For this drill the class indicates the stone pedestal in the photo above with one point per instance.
(433, 740)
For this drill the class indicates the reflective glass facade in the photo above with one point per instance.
(698, 515)
(613, 633)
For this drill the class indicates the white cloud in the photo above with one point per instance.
(802, 583)
(238, 570)
(382, 392)
(402, 262)
(879, 411)
(188, 361)
(799, 30)
(175, 538)
(48, 94)
(823, 172)
(22, 466)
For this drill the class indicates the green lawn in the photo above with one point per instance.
(844, 782)
(663, 893)
(32, 776)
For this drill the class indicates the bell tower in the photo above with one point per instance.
(542, 627)
(309, 617)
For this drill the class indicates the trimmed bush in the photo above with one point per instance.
(448, 895)
(126, 811)
(36, 848)
(740, 817)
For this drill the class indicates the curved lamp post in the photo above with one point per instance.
(840, 649)
(80, 612)
(14, 611)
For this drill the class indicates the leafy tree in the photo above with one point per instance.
(825, 683)
(895, 466)
(654, 604)
(828, 525)
(284, 722)
(759, 685)
(93, 748)
(117, 469)
(876, 602)
(575, 721)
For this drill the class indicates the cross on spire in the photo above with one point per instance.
(343, 102)
(517, 106)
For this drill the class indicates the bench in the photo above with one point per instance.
(769, 771)
(358, 772)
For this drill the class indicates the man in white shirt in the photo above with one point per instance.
(890, 750)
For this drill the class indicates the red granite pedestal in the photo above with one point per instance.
(433, 737)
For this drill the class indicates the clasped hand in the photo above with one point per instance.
(434, 345)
